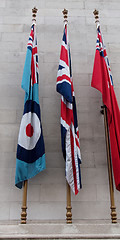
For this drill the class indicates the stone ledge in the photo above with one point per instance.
(51, 230)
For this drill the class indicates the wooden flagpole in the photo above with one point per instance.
(111, 187)
(68, 213)
(24, 203)
(68, 207)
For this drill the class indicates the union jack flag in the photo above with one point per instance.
(69, 124)
(102, 81)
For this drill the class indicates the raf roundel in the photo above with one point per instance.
(30, 131)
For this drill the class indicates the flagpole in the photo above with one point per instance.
(24, 203)
(68, 213)
(111, 186)
(68, 207)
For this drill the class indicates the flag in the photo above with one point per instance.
(102, 81)
(69, 124)
(30, 158)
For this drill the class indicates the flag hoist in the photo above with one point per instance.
(30, 150)
(69, 124)
(102, 81)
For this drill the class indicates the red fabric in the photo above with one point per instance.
(101, 81)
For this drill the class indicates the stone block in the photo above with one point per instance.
(51, 121)
(12, 12)
(112, 5)
(11, 78)
(55, 160)
(88, 159)
(51, 129)
(116, 195)
(99, 131)
(19, 114)
(51, 105)
(114, 47)
(13, 37)
(7, 116)
(16, 195)
(110, 21)
(82, 68)
(93, 210)
(11, 46)
(94, 176)
(3, 4)
(64, 4)
(103, 193)
(13, 90)
(25, 5)
(34, 192)
(9, 131)
(76, 12)
(82, 106)
(51, 57)
(117, 209)
(49, 176)
(94, 5)
(7, 159)
(12, 68)
(86, 194)
(14, 103)
(53, 144)
(15, 210)
(86, 131)
(114, 58)
(1, 20)
(48, 75)
(44, 211)
(5, 176)
(11, 28)
(5, 211)
(53, 193)
(4, 194)
(89, 118)
(81, 79)
(48, 91)
(6, 145)
(79, 56)
(100, 159)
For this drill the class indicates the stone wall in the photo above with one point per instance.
(47, 191)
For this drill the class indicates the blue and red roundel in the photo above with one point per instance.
(30, 140)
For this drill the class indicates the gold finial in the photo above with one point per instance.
(65, 13)
(34, 12)
(96, 13)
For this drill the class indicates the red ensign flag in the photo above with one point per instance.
(102, 81)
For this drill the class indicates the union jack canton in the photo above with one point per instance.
(102, 49)
(69, 124)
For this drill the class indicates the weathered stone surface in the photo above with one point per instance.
(47, 191)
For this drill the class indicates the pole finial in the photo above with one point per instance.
(65, 13)
(34, 12)
(96, 14)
